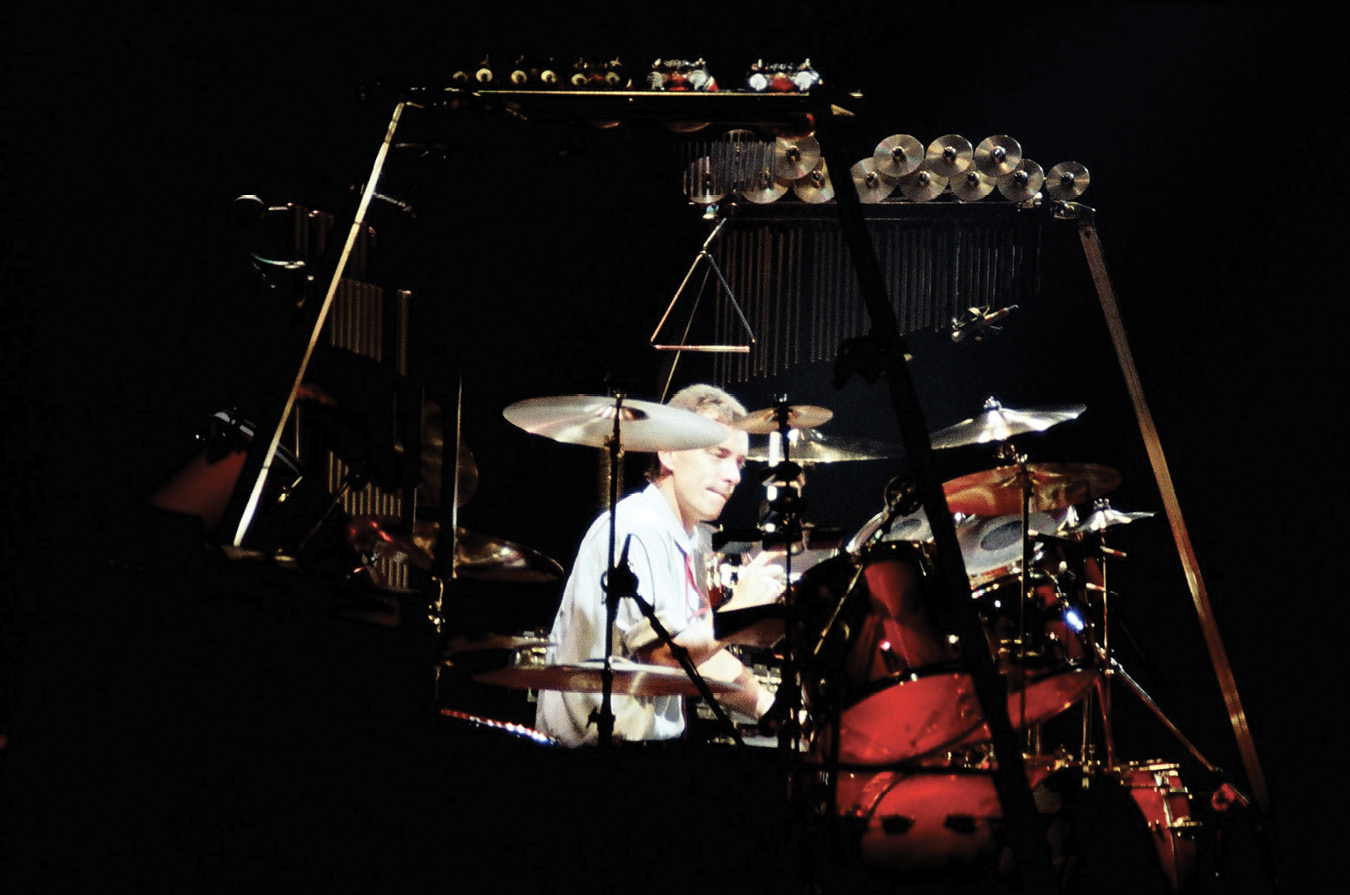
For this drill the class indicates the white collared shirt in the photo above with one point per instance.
(668, 563)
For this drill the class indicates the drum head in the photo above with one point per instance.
(992, 547)
(909, 719)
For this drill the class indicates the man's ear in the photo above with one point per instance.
(663, 457)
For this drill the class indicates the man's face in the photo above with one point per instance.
(702, 479)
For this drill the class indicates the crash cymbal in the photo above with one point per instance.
(799, 416)
(811, 446)
(589, 420)
(1022, 184)
(972, 186)
(999, 423)
(949, 155)
(998, 492)
(795, 158)
(1102, 517)
(998, 156)
(704, 184)
(630, 679)
(815, 187)
(472, 643)
(477, 556)
(871, 186)
(1067, 180)
(898, 155)
(921, 186)
(486, 558)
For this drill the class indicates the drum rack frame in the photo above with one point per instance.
(879, 354)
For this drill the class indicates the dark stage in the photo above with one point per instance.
(177, 720)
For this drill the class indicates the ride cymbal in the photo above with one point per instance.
(589, 420)
(1053, 486)
(999, 423)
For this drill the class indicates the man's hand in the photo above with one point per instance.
(758, 582)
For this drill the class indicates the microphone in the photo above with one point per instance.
(977, 322)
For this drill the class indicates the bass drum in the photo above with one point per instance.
(203, 485)
(884, 660)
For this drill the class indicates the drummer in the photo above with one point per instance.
(664, 532)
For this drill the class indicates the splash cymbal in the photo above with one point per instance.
(1022, 184)
(1102, 517)
(795, 158)
(589, 420)
(815, 187)
(871, 186)
(922, 186)
(998, 156)
(949, 155)
(999, 423)
(764, 188)
(972, 186)
(898, 155)
(1066, 181)
(1054, 486)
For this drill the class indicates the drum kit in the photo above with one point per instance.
(859, 648)
(885, 701)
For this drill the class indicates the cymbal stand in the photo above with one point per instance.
(788, 506)
(618, 582)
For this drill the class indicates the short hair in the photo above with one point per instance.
(708, 400)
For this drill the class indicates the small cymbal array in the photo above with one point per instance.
(900, 169)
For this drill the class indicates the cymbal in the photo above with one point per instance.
(470, 643)
(630, 679)
(921, 186)
(1102, 517)
(1022, 184)
(703, 184)
(999, 423)
(871, 186)
(810, 446)
(764, 188)
(972, 186)
(998, 491)
(1067, 180)
(949, 155)
(998, 156)
(589, 420)
(799, 416)
(794, 159)
(898, 155)
(478, 556)
(433, 449)
(815, 188)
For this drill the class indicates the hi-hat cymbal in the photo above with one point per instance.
(871, 186)
(815, 188)
(630, 679)
(999, 423)
(1067, 180)
(898, 155)
(799, 416)
(972, 186)
(998, 491)
(812, 446)
(1022, 184)
(921, 186)
(949, 155)
(477, 556)
(793, 159)
(998, 156)
(589, 420)
(1102, 517)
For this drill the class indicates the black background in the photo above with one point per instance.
(543, 255)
